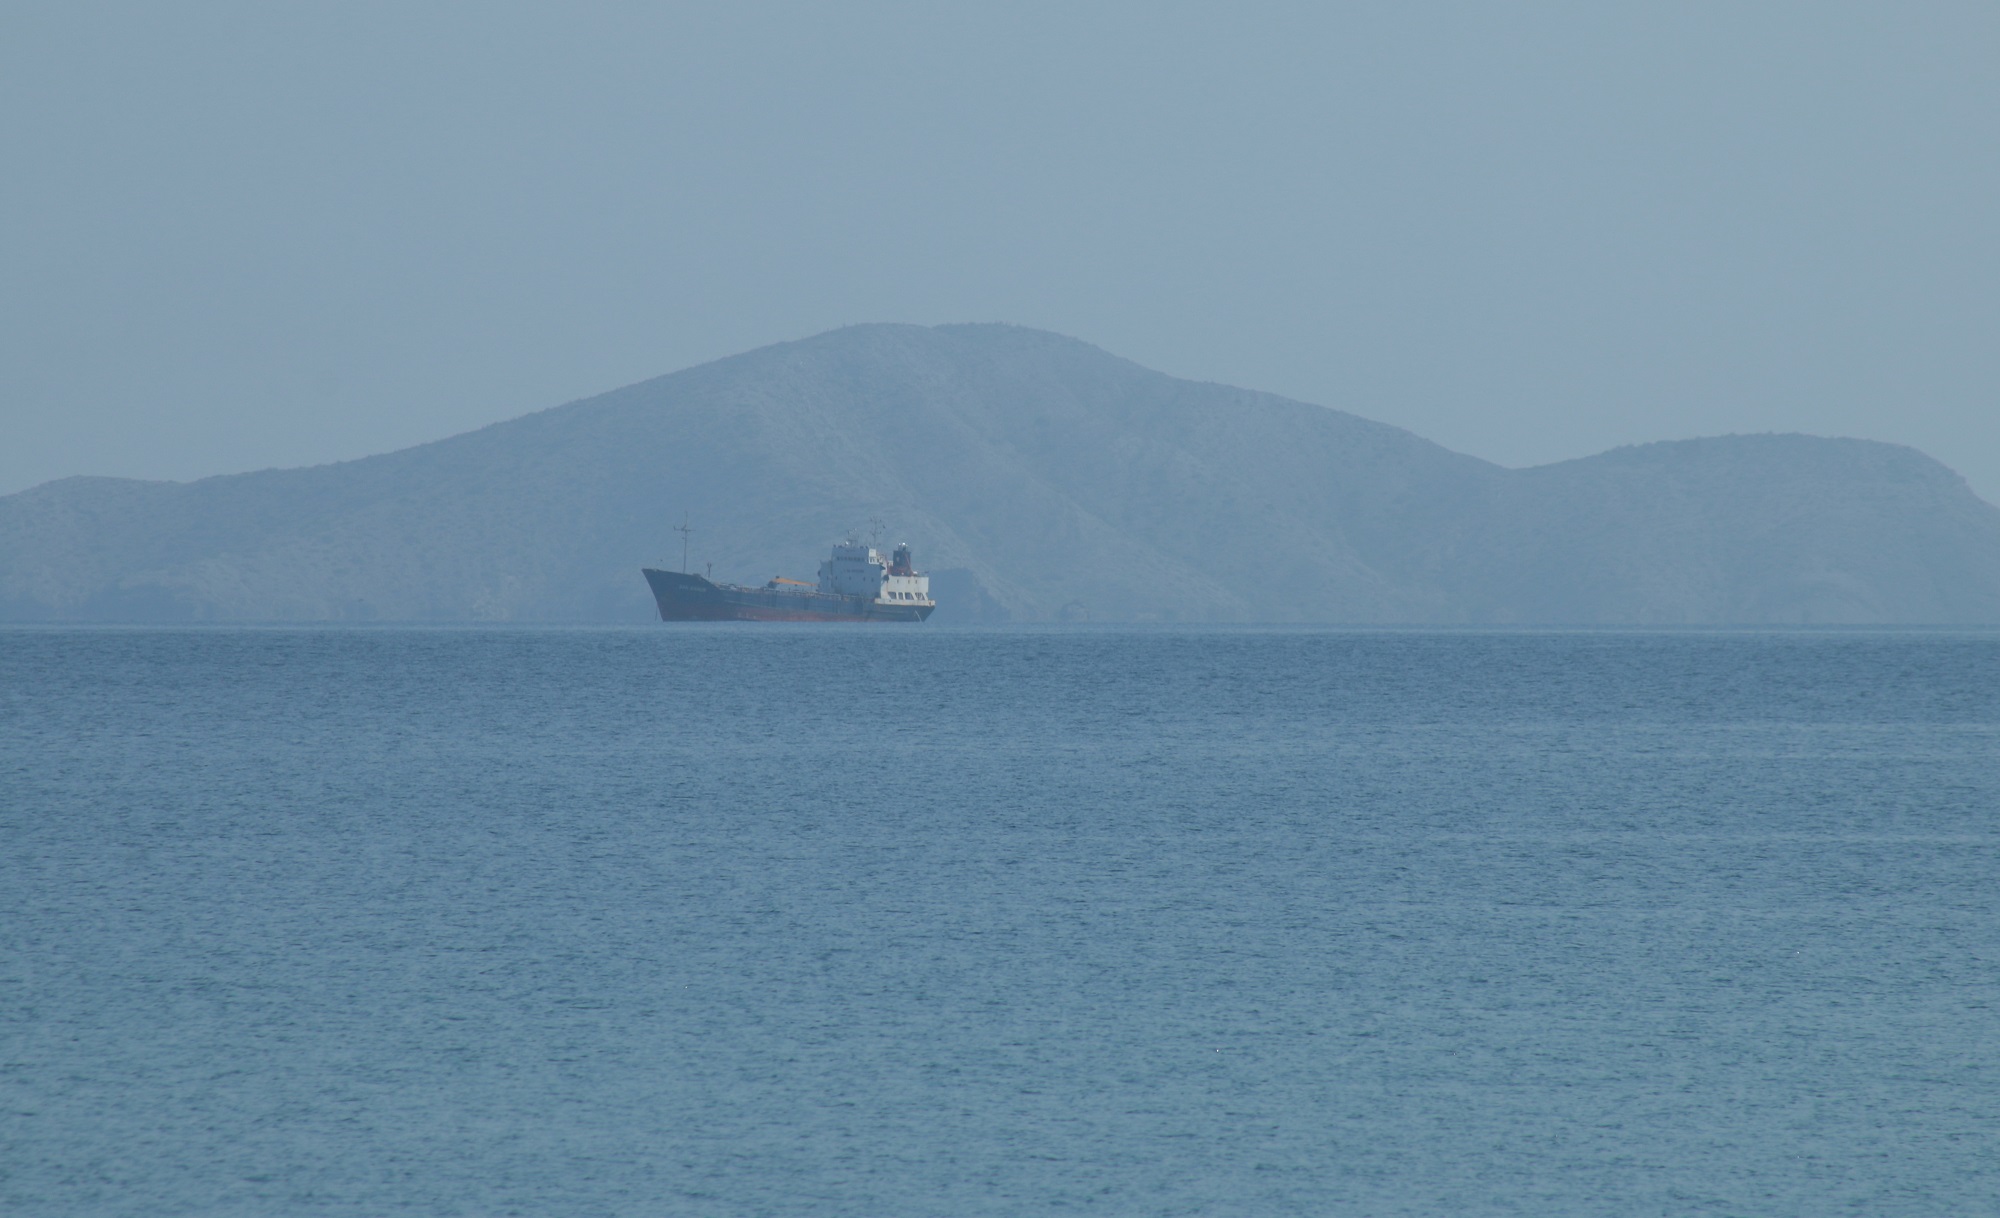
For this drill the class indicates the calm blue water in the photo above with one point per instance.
(741, 921)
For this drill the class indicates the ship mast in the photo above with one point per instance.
(683, 529)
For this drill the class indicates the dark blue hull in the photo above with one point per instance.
(690, 598)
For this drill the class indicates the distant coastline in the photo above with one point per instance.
(1045, 480)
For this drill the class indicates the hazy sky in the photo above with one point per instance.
(242, 235)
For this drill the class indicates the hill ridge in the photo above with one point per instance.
(1041, 477)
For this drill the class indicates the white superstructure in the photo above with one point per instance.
(858, 570)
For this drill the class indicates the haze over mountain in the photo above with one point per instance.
(1038, 477)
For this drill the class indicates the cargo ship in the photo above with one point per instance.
(856, 585)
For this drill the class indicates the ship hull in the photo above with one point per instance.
(690, 598)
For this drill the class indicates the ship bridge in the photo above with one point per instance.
(859, 570)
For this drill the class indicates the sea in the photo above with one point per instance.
(823, 920)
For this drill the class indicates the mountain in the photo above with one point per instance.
(1038, 477)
